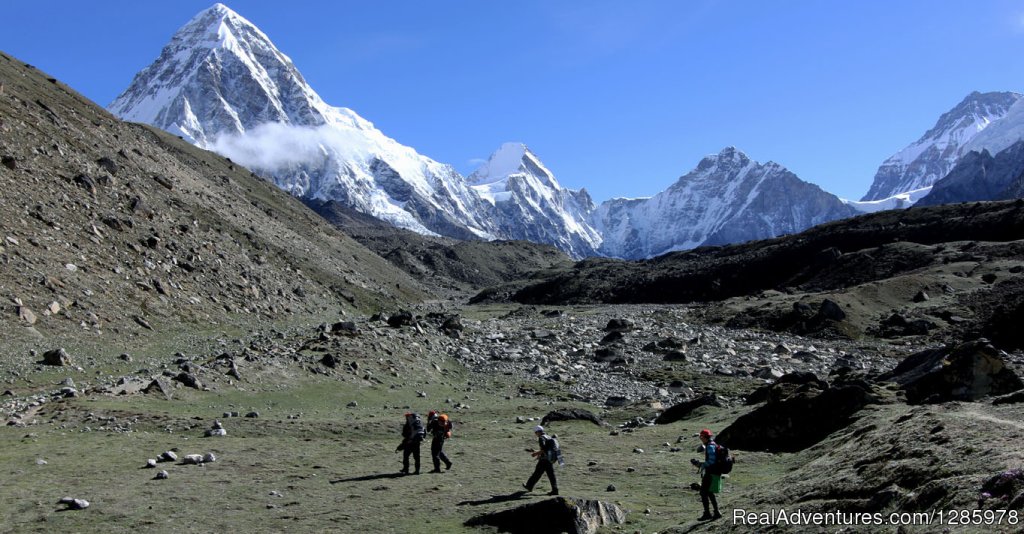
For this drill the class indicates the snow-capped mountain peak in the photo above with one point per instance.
(931, 157)
(222, 84)
(530, 202)
(727, 198)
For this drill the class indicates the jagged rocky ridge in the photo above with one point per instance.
(981, 176)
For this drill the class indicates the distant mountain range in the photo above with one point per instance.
(221, 84)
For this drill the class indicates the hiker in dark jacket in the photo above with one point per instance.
(440, 429)
(710, 448)
(546, 456)
(412, 436)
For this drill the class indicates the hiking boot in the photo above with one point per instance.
(404, 471)
(553, 492)
(527, 488)
(716, 515)
(706, 517)
(448, 466)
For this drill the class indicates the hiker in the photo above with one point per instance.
(412, 435)
(706, 475)
(546, 457)
(440, 429)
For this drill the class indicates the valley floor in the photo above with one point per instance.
(313, 413)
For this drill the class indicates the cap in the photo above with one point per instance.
(705, 433)
(431, 413)
(443, 417)
(538, 428)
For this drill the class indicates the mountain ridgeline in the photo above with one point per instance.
(222, 84)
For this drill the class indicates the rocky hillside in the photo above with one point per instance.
(964, 259)
(982, 176)
(110, 228)
(447, 266)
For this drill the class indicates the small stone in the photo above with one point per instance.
(209, 458)
(638, 450)
(27, 315)
(40, 461)
(162, 475)
(214, 432)
(192, 459)
(611, 487)
(252, 415)
(74, 504)
(352, 404)
(168, 456)
(150, 463)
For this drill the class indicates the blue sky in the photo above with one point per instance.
(618, 97)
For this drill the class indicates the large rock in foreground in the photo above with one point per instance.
(796, 421)
(966, 372)
(561, 514)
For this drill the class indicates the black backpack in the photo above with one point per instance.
(553, 451)
(418, 433)
(723, 461)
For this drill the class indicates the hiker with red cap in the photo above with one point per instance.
(412, 436)
(706, 495)
(548, 454)
(440, 428)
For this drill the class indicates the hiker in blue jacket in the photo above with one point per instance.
(705, 482)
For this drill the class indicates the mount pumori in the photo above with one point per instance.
(221, 84)
(908, 175)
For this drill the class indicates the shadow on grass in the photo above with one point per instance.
(518, 495)
(364, 478)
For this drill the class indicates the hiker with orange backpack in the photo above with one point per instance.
(440, 428)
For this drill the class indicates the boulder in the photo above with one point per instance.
(610, 355)
(551, 516)
(402, 318)
(831, 311)
(1010, 398)
(27, 315)
(345, 328)
(74, 504)
(189, 380)
(786, 385)
(1004, 491)
(56, 357)
(798, 420)
(619, 325)
(571, 414)
(965, 372)
(683, 409)
(158, 386)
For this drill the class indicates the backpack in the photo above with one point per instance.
(416, 427)
(723, 461)
(553, 451)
